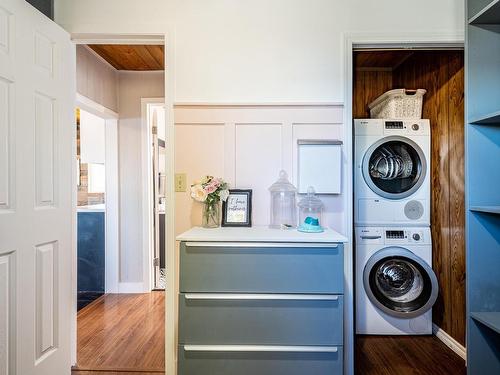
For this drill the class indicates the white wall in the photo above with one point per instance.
(261, 50)
(92, 141)
(96, 79)
(132, 87)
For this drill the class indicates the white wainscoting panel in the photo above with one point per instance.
(44, 53)
(258, 160)
(6, 144)
(199, 150)
(46, 298)
(248, 145)
(334, 204)
(6, 309)
(44, 152)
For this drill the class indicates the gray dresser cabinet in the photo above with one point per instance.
(266, 308)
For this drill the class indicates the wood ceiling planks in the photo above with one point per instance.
(377, 60)
(132, 57)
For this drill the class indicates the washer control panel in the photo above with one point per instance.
(393, 235)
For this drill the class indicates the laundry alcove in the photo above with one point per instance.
(441, 73)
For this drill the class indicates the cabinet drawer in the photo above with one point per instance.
(227, 360)
(261, 268)
(232, 319)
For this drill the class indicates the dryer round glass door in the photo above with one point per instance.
(400, 283)
(394, 167)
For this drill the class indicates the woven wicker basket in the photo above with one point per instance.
(398, 104)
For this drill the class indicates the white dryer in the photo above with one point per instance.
(395, 284)
(392, 172)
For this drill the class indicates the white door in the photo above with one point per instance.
(37, 129)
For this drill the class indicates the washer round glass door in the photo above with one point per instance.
(394, 167)
(400, 283)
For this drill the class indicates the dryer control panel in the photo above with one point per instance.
(388, 127)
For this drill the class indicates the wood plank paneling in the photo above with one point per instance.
(457, 193)
(132, 57)
(441, 73)
(368, 85)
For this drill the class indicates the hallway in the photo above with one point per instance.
(122, 333)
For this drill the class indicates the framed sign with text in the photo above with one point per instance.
(237, 209)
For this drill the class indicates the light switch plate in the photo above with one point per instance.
(180, 182)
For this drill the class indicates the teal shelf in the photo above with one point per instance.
(489, 119)
(489, 319)
(488, 15)
(486, 209)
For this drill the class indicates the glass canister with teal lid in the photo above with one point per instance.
(310, 213)
(283, 203)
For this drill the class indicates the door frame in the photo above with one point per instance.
(168, 40)
(147, 192)
(353, 41)
(112, 218)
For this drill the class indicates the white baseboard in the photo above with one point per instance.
(132, 288)
(449, 341)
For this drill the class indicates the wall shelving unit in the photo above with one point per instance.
(482, 137)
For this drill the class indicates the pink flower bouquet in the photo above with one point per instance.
(210, 190)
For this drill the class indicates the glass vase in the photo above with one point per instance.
(211, 215)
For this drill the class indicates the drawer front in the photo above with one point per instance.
(261, 268)
(234, 319)
(231, 361)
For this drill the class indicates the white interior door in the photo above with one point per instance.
(37, 133)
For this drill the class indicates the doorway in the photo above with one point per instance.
(440, 71)
(115, 78)
(154, 202)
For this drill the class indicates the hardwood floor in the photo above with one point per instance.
(122, 334)
(406, 355)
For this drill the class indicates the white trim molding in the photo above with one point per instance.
(131, 287)
(449, 341)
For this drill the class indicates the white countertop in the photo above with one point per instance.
(92, 208)
(259, 234)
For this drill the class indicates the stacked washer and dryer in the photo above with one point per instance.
(395, 284)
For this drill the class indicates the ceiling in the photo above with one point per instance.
(132, 57)
(388, 60)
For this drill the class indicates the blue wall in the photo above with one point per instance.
(91, 255)
(44, 6)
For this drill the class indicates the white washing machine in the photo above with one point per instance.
(392, 172)
(395, 284)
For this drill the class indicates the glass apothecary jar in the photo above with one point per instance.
(310, 213)
(283, 203)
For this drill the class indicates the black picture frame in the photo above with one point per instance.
(228, 219)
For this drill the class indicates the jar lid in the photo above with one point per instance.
(282, 184)
(310, 200)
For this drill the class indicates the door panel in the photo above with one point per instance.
(37, 136)
(6, 159)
